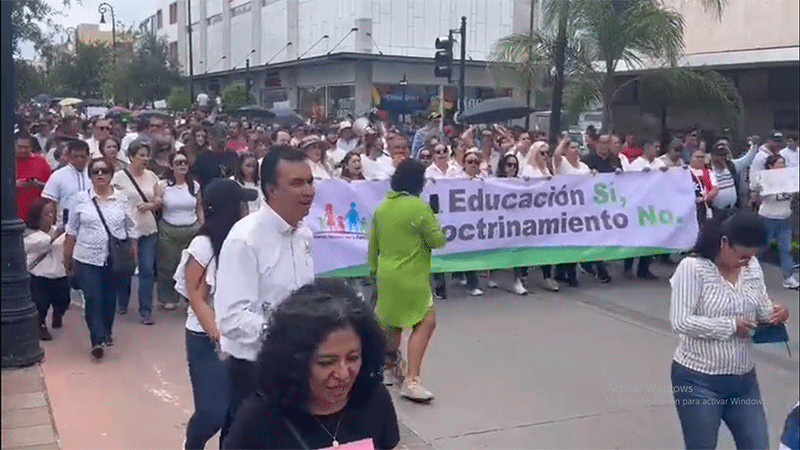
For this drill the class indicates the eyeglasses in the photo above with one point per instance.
(104, 128)
(101, 171)
(440, 152)
(471, 161)
(181, 162)
(512, 165)
(248, 165)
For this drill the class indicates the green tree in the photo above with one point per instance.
(27, 15)
(582, 43)
(152, 73)
(235, 96)
(179, 100)
(29, 80)
(80, 74)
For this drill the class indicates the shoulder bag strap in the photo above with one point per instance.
(139, 190)
(103, 219)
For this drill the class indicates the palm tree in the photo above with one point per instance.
(586, 42)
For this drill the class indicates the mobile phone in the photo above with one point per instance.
(65, 216)
(434, 202)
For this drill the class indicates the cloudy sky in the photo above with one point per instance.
(129, 12)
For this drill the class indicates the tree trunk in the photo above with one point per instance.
(609, 87)
(558, 84)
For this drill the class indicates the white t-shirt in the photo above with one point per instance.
(791, 157)
(639, 164)
(200, 249)
(255, 204)
(453, 171)
(568, 169)
(380, 169)
(180, 206)
(145, 221)
(533, 172)
(37, 243)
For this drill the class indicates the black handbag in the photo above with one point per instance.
(771, 334)
(120, 251)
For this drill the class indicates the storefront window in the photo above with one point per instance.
(312, 101)
(341, 101)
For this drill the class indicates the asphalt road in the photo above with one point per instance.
(586, 367)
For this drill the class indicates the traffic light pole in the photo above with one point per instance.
(461, 81)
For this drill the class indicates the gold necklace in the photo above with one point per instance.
(335, 442)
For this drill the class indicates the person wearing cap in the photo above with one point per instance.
(434, 119)
(215, 162)
(266, 256)
(347, 141)
(727, 171)
(312, 147)
(223, 205)
(772, 147)
(143, 194)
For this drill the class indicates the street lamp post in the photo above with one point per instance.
(404, 84)
(107, 8)
(18, 317)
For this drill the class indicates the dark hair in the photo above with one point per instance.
(501, 166)
(409, 177)
(219, 219)
(269, 165)
(296, 328)
(771, 160)
(33, 218)
(24, 135)
(77, 145)
(744, 228)
(170, 174)
(94, 161)
(238, 174)
(791, 135)
(101, 145)
(346, 160)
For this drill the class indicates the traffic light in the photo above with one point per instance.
(443, 60)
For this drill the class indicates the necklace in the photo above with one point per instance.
(333, 435)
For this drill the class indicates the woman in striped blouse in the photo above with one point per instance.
(718, 298)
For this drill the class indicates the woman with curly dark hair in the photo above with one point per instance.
(319, 376)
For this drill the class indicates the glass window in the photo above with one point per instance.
(341, 101)
(312, 101)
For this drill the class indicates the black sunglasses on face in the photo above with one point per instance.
(101, 171)
(471, 161)
(180, 162)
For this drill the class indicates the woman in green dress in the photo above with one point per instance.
(404, 231)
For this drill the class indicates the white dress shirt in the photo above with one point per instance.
(379, 169)
(64, 184)
(262, 261)
(565, 168)
(640, 163)
(791, 157)
(453, 171)
(37, 242)
(91, 243)
(703, 311)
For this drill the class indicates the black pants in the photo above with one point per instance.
(46, 292)
(567, 272)
(242, 382)
(642, 269)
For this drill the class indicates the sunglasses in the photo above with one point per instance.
(248, 165)
(104, 128)
(101, 171)
(425, 156)
(181, 162)
(471, 161)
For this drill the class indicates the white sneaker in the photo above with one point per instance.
(462, 281)
(491, 284)
(412, 389)
(518, 288)
(475, 292)
(551, 285)
(791, 283)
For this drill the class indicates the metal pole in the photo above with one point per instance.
(404, 83)
(18, 316)
(461, 93)
(191, 60)
(528, 92)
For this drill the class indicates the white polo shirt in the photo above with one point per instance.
(64, 184)
(262, 261)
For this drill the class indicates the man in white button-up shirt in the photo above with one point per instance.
(67, 181)
(266, 256)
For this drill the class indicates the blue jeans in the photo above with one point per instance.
(780, 230)
(209, 377)
(147, 275)
(100, 286)
(242, 376)
(704, 400)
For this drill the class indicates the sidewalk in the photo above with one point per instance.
(27, 420)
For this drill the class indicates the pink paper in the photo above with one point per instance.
(364, 444)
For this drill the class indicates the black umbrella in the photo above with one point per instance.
(43, 99)
(286, 117)
(495, 110)
(254, 111)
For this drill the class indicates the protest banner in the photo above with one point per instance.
(778, 181)
(501, 223)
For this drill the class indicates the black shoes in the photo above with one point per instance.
(440, 292)
(108, 341)
(44, 333)
(57, 321)
(647, 276)
(97, 351)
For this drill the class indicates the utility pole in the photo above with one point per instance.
(20, 322)
(530, 53)
(461, 82)
(191, 60)
(247, 81)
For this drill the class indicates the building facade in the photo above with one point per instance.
(756, 45)
(338, 57)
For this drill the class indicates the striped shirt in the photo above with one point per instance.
(703, 311)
